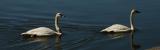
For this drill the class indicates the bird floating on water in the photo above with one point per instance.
(44, 31)
(122, 28)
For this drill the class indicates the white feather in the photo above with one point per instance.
(119, 27)
(44, 31)
(116, 28)
(40, 31)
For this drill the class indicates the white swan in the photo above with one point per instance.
(121, 28)
(44, 31)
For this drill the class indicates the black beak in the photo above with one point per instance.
(137, 11)
(61, 14)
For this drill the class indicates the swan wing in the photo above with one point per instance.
(116, 28)
(40, 31)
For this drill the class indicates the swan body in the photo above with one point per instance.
(122, 28)
(44, 31)
(40, 31)
(116, 28)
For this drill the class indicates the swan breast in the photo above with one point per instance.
(116, 28)
(40, 31)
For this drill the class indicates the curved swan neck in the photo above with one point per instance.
(57, 19)
(131, 21)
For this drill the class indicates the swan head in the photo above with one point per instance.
(134, 12)
(59, 15)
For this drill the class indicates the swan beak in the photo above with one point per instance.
(62, 15)
(137, 11)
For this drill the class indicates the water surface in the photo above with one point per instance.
(84, 19)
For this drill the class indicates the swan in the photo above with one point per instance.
(44, 31)
(122, 28)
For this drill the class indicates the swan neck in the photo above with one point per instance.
(57, 20)
(131, 21)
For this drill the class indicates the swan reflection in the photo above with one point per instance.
(46, 43)
(115, 35)
(43, 42)
(134, 45)
(58, 43)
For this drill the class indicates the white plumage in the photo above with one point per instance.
(44, 31)
(116, 28)
(121, 28)
(40, 31)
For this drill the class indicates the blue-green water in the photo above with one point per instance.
(84, 19)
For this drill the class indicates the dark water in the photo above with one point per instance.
(84, 19)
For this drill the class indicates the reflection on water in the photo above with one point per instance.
(58, 43)
(134, 45)
(43, 42)
(116, 35)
